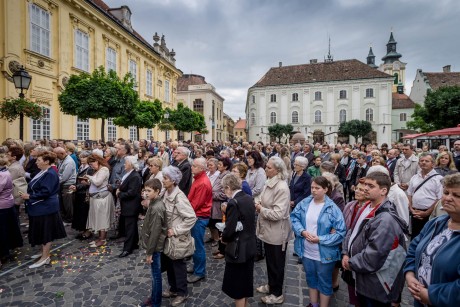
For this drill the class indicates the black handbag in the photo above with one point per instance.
(232, 250)
(347, 277)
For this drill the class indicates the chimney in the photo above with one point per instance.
(313, 61)
(446, 68)
(280, 64)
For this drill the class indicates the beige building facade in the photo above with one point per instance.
(54, 39)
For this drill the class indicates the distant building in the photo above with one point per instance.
(229, 126)
(240, 130)
(392, 64)
(402, 110)
(200, 96)
(425, 81)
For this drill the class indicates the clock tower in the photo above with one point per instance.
(392, 65)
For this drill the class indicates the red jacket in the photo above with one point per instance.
(200, 195)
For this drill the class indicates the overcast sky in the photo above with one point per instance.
(233, 43)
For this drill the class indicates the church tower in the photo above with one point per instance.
(392, 65)
(371, 59)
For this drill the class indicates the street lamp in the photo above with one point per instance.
(21, 79)
(166, 116)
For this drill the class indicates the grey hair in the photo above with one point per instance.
(426, 154)
(84, 154)
(361, 155)
(184, 150)
(328, 166)
(173, 173)
(201, 161)
(378, 168)
(280, 166)
(214, 161)
(333, 179)
(133, 161)
(113, 151)
(302, 161)
(232, 181)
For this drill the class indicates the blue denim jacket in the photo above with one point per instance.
(329, 217)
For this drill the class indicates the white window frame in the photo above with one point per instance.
(40, 30)
(273, 98)
(369, 114)
(273, 118)
(82, 129)
(402, 117)
(295, 117)
(369, 92)
(318, 95)
(41, 129)
(295, 97)
(111, 59)
(133, 133)
(317, 116)
(343, 94)
(111, 130)
(149, 133)
(167, 90)
(133, 71)
(81, 41)
(149, 83)
(342, 116)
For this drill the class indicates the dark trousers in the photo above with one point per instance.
(365, 301)
(347, 191)
(417, 225)
(177, 275)
(66, 200)
(132, 233)
(275, 259)
(259, 244)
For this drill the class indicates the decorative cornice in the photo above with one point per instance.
(78, 22)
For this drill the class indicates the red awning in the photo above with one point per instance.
(446, 131)
(413, 136)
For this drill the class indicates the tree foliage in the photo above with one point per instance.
(356, 128)
(98, 95)
(441, 110)
(185, 119)
(145, 114)
(278, 131)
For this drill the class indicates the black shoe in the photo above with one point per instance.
(299, 260)
(115, 237)
(124, 254)
(79, 236)
(258, 258)
(335, 289)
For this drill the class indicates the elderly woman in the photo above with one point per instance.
(45, 223)
(181, 219)
(240, 170)
(81, 203)
(129, 194)
(239, 273)
(16, 170)
(10, 234)
(273, 228)
(432, 266)
(110, 155)
(445, 164)
(312, 222)
(339, 169)
(300, 182)
(163, 155)
(101, 205)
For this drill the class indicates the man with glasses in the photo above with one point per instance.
(456, 154)
(406, 167)
(181, 162)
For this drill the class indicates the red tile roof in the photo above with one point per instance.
(440, 79)
(320, 72)
(402, 101)
(240, 124)
(188, 79)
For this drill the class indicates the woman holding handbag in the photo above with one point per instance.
(180, 219)
(239, 273)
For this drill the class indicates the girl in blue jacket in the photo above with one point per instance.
(319, 228)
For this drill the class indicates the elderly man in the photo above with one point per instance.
(307, 153)
(295, 153)
(325, 153)
(456, 154)
(201, 199)
(392, 158)
(181, 161)
(425, 190)
(67, 176)
(406, 167)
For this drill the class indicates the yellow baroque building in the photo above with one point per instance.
(54, 39)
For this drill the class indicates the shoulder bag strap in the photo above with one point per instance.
(424, 181)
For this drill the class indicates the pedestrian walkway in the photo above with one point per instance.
(83, 276)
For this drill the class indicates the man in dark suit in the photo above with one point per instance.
(325, 153)
(129, 194)
(31, 168)
(360, 170)
(392, 157)
(181, 161)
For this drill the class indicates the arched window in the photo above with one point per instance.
(295, 117)
(343, 94)
(272, 118)
(295, 97)
(253, 119)
(317, 116)
(342, 116)
(369, 92)
(369, 115)
(273, 98)
(318, 95)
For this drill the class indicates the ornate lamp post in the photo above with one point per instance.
(166, 116)
(21, 80)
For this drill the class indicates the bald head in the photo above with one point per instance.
(60, 153)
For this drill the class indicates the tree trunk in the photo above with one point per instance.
(103, 130)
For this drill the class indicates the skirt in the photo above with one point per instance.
(80, 212)
(101, 213)
(10, 234)
(45, 228)
(239, 279)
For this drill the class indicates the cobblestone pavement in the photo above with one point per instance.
(82, 276)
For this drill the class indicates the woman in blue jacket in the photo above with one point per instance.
(432, 267)
(300, 182)
(45, 223)
(319, 228)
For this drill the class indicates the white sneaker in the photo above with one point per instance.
(271, 299)
(265, 289)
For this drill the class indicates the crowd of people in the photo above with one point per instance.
(377, 217)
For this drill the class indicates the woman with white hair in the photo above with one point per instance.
(129, 194)
(180, 220)
(274, 228)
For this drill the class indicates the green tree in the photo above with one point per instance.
(98, 95)
(356, 128)
(145, 114)
(185, 119)
(11, 109)
(441, 110)
(278, 131)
